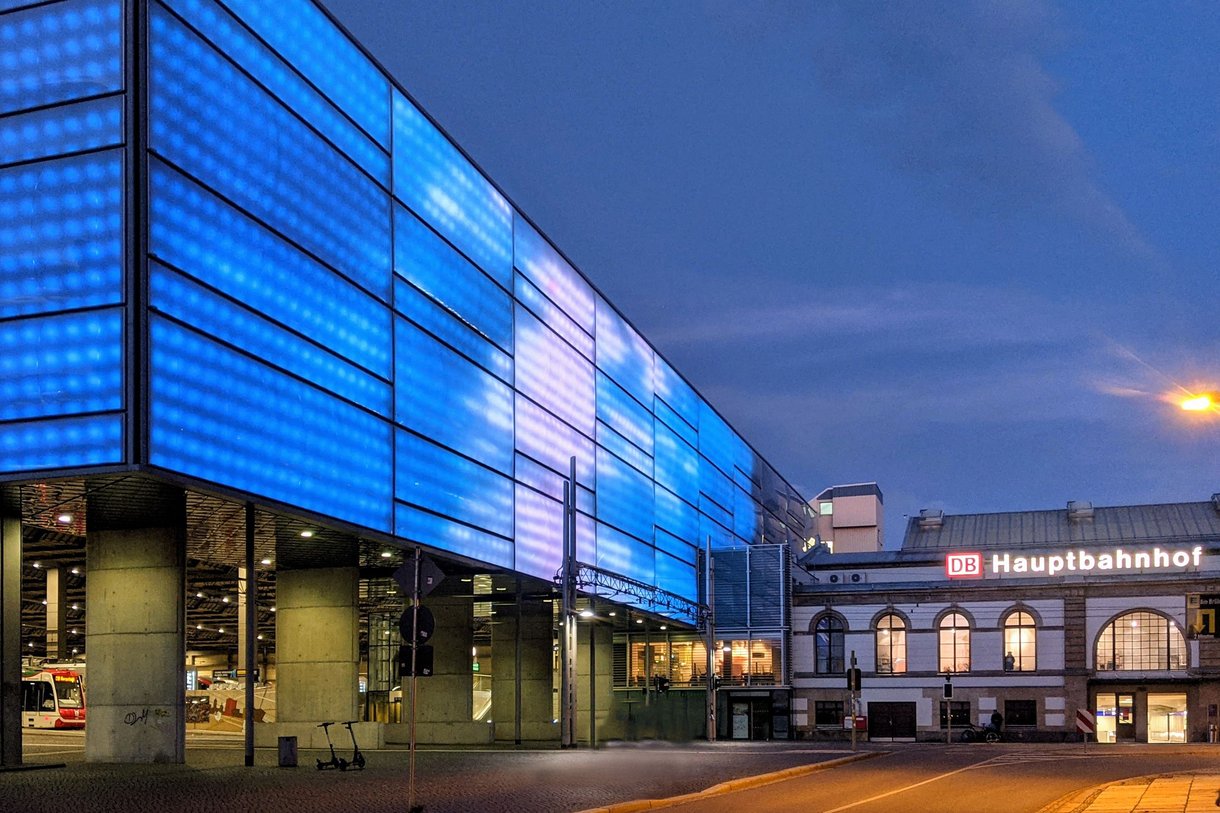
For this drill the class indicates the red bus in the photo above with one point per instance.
(52, 698)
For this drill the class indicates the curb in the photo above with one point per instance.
(733, 785)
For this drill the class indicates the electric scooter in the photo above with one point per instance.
(335, 761)
(357, 761)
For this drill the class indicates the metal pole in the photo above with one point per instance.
(852, 710)
(567, 626)
(251, 623)
(592, 682)
(414, 682)
(710, 641)
(517, 672)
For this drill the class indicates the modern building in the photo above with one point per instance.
(850, 519)
(266, 330)
(1033, 614)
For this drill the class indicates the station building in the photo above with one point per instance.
(1034, 614)
(266, 331)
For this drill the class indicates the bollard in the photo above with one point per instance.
(288, 752)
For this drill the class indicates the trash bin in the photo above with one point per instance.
(288, 752)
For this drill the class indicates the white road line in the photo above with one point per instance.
(928, 781)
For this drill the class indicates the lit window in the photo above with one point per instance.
(826, 508)
(1020, 645)
(1141, 640)
(891, 645)
(954, 643)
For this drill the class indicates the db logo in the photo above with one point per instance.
(964, 565)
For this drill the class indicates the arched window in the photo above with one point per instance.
(954, 643)
(828, 645)
(891, 644)
(1141, 640)
(1020, 643)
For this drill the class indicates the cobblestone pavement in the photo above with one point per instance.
(488, 781)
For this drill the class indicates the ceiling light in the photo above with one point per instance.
(199, 595)
(272, 608)
(75, 571)
(664, 627)
(199, 626)
(386, 554)
(260, 636)
(586, 613)
(64, 518)
(38, 564)
(221, 630)
(225, 599)
(44, 602)
(266, 561)
(612, 613)
(75, 606)
(73, 630)
(306, 534)
(639, 621)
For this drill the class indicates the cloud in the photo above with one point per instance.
(957, 93)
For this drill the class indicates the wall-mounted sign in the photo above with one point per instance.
(974, 565)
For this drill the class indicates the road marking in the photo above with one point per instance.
(896, 791)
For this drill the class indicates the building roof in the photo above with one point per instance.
(853, 490)
(1078, 524)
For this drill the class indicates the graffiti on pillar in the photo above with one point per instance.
(141, 717)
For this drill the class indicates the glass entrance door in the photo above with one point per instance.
(1124, 727)
(1166, 718)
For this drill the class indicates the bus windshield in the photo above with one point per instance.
(67, 688)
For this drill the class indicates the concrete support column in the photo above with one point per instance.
(444, 713)
(317, 641)
(57, 614)
(10, 641)
(531, 641)
(600, 638)
(135, 597)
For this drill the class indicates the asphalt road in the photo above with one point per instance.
(933, 778)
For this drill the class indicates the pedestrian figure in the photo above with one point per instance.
(1009, 662)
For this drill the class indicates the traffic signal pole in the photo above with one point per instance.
(415, 599)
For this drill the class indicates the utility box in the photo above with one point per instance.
(288, 752)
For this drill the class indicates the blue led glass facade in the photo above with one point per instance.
(343, 314)
(62, 319)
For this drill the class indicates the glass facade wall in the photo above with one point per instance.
(342, 313)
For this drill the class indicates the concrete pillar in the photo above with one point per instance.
(135, 598)
(444, 711)
(57, 613)
(317, 647)
(600, 639)
(10, 640)
(531, 642)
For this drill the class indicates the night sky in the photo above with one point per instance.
(962, 249)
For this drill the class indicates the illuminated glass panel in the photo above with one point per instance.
(467, 293)
(175, 295)
(556, 319)
(441, 395)
(61, 443)
(210, 120)
(273, 73)
(455, 332)
(671, 419)
(554, 375)
(676, 575)
(679, 399)
(625, 415)
(552, 442)
(539, 537)
(61, 364)
(676, 547)
(434, 478)
(623, 354)
(200, 234)
(624, 496)
(746, 519)
(720, 536)
(552, 275)
(420, 526)
(550, 482)
(60, 51)
(676, 515)
(315, 46)
(716, 493)
(716, 441)
(220, 416)
(59, 130)
(61, 236)
(443, 187)
(676, 464)
(620, 553)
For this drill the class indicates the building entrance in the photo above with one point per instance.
(891, 721)
(1167, 717)
(1128, 717)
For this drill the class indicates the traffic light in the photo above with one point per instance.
(853, 679)
(423, 661)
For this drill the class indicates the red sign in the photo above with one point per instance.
(964, 565)
(1085, 723)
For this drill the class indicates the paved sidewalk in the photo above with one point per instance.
(502, 780)
(1177, 793)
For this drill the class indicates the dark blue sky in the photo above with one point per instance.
(962, 249)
